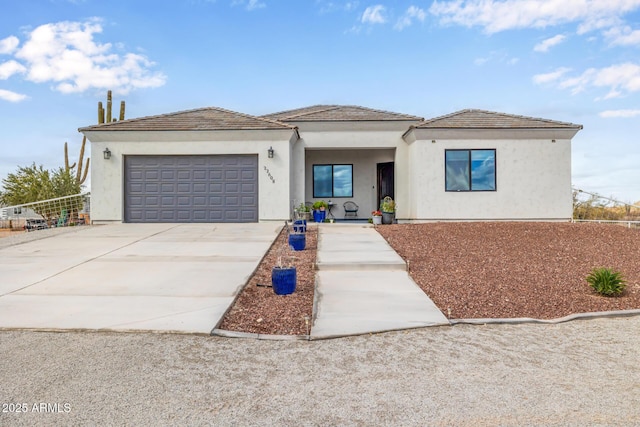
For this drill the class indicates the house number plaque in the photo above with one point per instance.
(269, 174)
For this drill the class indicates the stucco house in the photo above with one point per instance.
(216, 165)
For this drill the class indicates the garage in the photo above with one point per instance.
(191, 188)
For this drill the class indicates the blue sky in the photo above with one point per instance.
(569, 60)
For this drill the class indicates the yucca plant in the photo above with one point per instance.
(606, 282)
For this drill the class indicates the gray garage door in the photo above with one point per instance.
(191, 188)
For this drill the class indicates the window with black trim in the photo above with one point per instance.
(470, 170)
(332, 181)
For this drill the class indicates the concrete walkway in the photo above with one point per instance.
(153, 277)
(363, 286)
(183, 277)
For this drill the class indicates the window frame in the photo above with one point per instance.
(333, 165)
(470, 170)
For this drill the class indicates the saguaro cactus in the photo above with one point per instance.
(80, 176)
(101, 111)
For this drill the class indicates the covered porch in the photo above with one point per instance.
(337, 176)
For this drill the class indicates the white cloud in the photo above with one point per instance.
(66, 54)
(545, 45)
(623, 36)
(413, 13)
(374, 15)
(255, 4)
(9, 45)
(495, 16)
(619, 79)
(7, 95)
(550, 77)
(9, 68)
(249, 5)
(329, 6)
(496, 56)
(625, 114)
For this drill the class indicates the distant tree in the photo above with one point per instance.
(596, 208)
(34, 183)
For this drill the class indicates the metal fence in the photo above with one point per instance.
(65, 211)
(628, 224)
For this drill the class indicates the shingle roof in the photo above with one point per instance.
(210, 118)
(338, 113)
(481, 119)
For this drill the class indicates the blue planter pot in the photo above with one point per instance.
(297, 241)
(319, 216)
(300, 226)
(283, 280)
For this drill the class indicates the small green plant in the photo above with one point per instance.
(303, 208)
(388, 205)
(320, 205)
(606, 281)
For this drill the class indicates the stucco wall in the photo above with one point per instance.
(107, 176)
(533, 181)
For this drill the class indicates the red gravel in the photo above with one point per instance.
(259, 310)
(470, 270)
(517, 269)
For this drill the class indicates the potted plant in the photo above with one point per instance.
(283, 276)
(376, 217)
(320, 210)
(388, 208)
(303, 212)
(298, 238)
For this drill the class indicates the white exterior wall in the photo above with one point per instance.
(107, 176)
(533, 181)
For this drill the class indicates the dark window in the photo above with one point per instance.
(470, 170)
(332, 181)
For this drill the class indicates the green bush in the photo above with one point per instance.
(606, 281)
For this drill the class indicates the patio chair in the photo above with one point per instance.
(350, 209)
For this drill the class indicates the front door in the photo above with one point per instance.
(385, 181)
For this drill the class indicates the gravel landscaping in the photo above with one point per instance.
(470, 270)
(517, 269)
(259, 310)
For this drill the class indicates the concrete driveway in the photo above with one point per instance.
(153, 277)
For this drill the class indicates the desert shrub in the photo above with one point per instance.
(606, 281)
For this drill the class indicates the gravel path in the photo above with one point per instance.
(572, 374)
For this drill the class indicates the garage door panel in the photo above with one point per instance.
(231, 175)
(232, 201)
(191, 188)
(231, 188)
(152, 201)
(184, 175)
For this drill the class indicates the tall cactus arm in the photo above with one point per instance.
(100, 113)
(66, 158)
(81, 160)
(121, 110)
(86, 170)
(108, 106)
